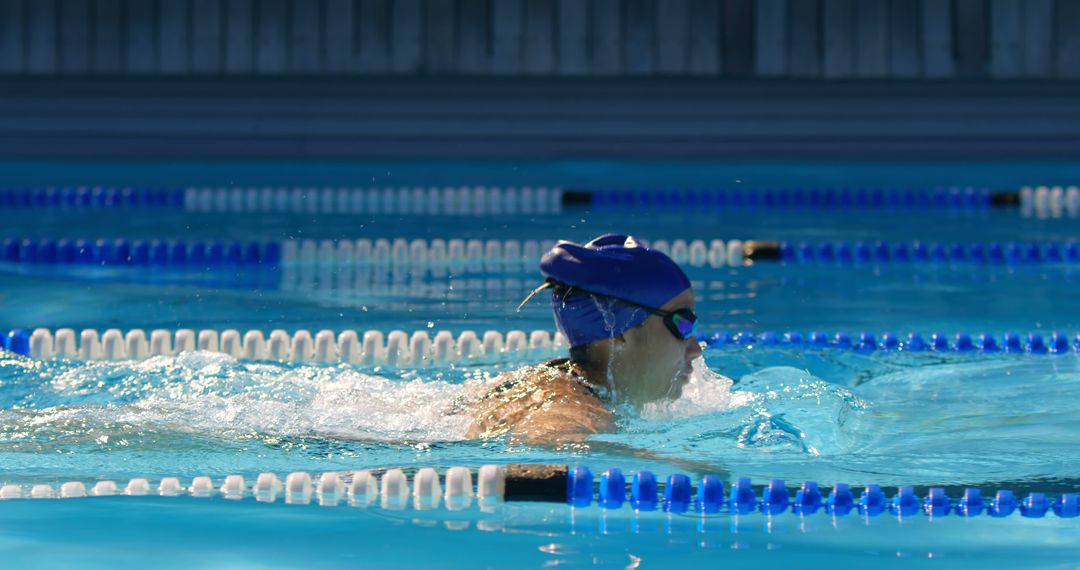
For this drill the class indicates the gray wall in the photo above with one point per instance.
(828, 39)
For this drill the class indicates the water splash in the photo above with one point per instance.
(705, 392)
(780, 411)
(211, 393)
(794, 409)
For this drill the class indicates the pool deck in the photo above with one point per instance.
(535, 118)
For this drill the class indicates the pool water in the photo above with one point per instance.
(942, 419)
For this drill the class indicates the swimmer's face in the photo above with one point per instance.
(648, 363)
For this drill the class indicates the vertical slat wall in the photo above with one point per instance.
(703, 50)
(607, 37)
(539, 18)
(140, 37)
(206, 36)
(770, 30)
(41, 36)
(338, 44)
(108, 44)
(373, 27)
(871, 38)
(737, 42)
(573, 37)
(474, 37)
(305, 37)
(838, 28)
(803, 57)
(403, 49)
(936, 41)
(75, 31)
(272, 35)
(173, 37)
(239, 40)
(1067, 40)
(816, 39)
(13, 17)
(639, 43)
(440, 56)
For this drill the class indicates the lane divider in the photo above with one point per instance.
(1049, 201)
(1010, 342)
(71, 197)
(382, 252)
(371, 348)
(1041, 201)
(158, 253)
(442, 201)
(954, 197)
(915, 252)
(446, 201)
(398, 348)
(389, 488)
(501, 254)
(480, 200)
(574, 485)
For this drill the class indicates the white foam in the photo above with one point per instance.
(203, 392)
(199, 392)
(705, 392)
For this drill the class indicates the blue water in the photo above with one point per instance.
(927, 419)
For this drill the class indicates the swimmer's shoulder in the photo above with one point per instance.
(537, 376)
(544, 403)
(568, 370)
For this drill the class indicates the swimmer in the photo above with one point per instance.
(628, 313)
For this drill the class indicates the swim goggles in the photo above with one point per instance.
(681, 322)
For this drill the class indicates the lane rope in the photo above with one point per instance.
(740, 198)
(419, 349)
(441, 201)
(511, 254)
(1043, 201)
(1040, 201)
(576, 486)
(369, 348)
(867, 342)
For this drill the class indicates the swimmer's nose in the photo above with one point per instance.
(693, 349)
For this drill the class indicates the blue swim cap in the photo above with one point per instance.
(610, 267)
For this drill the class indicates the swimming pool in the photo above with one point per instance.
(947, 417)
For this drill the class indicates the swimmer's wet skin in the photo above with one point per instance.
(628, 312)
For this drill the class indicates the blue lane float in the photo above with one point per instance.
(728, 198)
(484, 200)
(917, 252)
(574, 485)
(680, 494)
(92, 197)
(17, 341)
(457, 200)
(643, 491)
(612, 493)
(710, 495)
(867, 342)
(157, 253)
(494, 254)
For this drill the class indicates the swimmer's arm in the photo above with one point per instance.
(566, 424)
(557, 431)
(691, 466)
